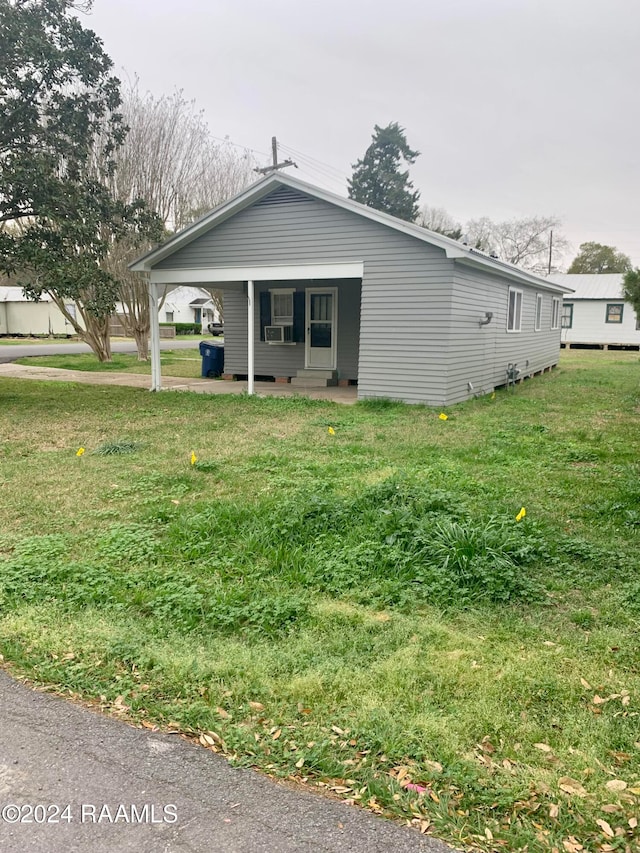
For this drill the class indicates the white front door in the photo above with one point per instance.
(321, 310)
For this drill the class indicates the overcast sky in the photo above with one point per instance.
(518, 107)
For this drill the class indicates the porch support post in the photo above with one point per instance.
(156, 378)
(250, 344)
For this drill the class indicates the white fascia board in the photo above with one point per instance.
(207, 275)
(513, 273)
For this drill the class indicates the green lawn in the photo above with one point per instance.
(361, 609)
(181, 362)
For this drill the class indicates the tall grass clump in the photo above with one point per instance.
(396, 543)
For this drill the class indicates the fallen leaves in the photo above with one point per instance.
(213, 741)
(605, 827)
(419, 789)
(571, 786)
(616, 785)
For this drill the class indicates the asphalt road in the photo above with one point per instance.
(73, 780)
(10, 352)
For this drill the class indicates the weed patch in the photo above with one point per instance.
(117, 448)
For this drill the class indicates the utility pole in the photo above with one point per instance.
(550, 248)
(275, 165)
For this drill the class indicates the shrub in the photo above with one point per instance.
(186, 328)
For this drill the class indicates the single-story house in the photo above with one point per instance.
(318, 288)
(24, 317)
(596, 314)
(189, 305)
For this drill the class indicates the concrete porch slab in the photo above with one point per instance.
(174, 383)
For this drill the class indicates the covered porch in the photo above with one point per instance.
(297, 324)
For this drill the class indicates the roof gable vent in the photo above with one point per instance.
(283, 195)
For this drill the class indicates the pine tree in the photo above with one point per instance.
(377, 180)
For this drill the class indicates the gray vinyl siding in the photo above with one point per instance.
(405, 298)
(410, 331)
(285, 360)
(481, 354)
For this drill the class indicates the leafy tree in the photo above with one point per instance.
(377, 180)
(631, 289)
(597, 258)
(57, 101)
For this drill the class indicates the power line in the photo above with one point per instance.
(320, 163)
(319, 174)
(310, 167)
(237, 145)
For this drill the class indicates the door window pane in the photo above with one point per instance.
(321, 306)
(321, 334)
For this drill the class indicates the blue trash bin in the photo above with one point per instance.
(212, 359)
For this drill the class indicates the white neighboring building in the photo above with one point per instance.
(596, 312)
(22, 316)
(189, 305)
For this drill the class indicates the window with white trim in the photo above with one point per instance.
(555, 312)
(282, 307)
(538, 321)
(168, 316)
(514, 311)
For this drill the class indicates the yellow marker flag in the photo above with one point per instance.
(194, 458)
(443, 417)
(521, 514)
(80, 451)
(331, 431)
(493, 395)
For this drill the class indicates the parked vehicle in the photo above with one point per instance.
(215, 328)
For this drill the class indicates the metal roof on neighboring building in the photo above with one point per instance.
(16, 294)
(590, 286)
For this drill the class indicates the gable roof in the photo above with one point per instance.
(275, 181)
(591, 286)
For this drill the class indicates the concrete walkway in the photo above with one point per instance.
(72, 780)
(174, 383)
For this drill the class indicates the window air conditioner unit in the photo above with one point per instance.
(278, 334)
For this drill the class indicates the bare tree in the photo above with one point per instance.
(523, 242)
(439, 220)
(171, 161)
